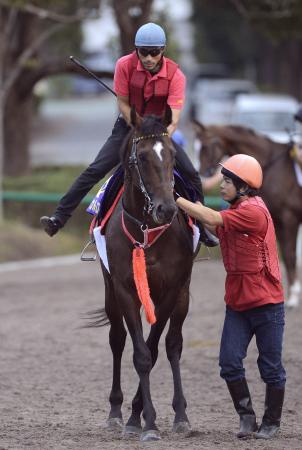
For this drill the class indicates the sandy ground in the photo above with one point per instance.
(55, 378)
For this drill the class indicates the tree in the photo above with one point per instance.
(265, 35)
(280, 24)
(24, 30)
(130, 15)
(30, 43)
(277, 18)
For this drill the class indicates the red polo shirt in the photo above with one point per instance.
(248, 290)
(176, 96)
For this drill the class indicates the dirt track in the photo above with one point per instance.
(55, 379)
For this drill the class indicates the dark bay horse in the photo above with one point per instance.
(280, 189)
(147, 211)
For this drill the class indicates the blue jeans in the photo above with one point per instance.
(267, 324)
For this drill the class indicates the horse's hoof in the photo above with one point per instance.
(181, 427)
(115, 423)
(150, 435)
(130, 430)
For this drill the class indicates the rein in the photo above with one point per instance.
(133, 162)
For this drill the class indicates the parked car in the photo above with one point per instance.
(212, 100)
(270, 114)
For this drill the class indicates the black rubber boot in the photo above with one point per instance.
(270, 425)
(243, 404)
(51, 225)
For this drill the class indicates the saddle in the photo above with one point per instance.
(107, 198)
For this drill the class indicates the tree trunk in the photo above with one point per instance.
(130, 15)
(17, 125)
(1, 152)
(280, 65)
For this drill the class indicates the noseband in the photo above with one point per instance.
(134, 163)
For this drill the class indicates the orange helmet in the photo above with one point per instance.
(246, 168)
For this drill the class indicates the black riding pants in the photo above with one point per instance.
(107, 158)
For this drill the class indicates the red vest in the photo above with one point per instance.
(240, 256)
(157, 103)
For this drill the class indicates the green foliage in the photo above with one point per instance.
(221, 35)
(172, 49)
(20, 242)
(61, 6)
(55, 179)
(66, 41)
(277, 20)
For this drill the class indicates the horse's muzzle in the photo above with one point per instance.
(164, 212)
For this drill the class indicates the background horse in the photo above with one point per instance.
(280, 189)
(147, 211)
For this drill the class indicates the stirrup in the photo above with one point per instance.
(88, 258)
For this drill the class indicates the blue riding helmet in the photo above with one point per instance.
(150, 35)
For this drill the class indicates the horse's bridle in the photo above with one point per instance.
(148, 207)
(150, 235)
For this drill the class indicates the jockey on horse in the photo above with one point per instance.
(148, 81)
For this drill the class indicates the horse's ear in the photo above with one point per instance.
(198, 126)
(136, 120)
(167, 118)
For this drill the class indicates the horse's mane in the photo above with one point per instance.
(152, 125)
(248, 136)
(243, 130)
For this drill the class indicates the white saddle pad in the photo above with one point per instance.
(100, 242)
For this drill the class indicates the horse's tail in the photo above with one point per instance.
(97, 318)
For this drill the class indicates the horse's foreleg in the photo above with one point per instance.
(174, 342)
(142, 361)
(134, 422)
(117, 339)
(287, 235)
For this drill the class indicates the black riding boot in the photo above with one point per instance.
(243, 404)
(270, 425)
(51, 224)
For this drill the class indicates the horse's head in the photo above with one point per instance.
(211, 147)
(149, 162)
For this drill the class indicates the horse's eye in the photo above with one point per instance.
(142, 157)
(173, 151)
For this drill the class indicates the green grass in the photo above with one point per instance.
(21, 242)
(21, 236)
(44, 179)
